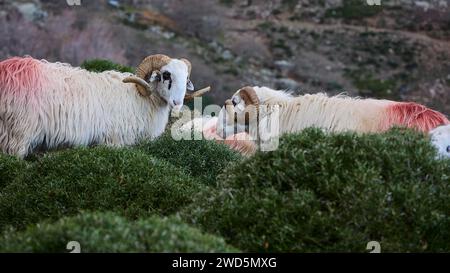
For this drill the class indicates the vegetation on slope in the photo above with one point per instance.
(201, 159)
(65, 182)
(10, 167)
(321, 192)
(99, 65)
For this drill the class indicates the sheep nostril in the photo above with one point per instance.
(448, 149)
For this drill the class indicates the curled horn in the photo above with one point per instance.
(142, 86)
(197, 93)
(248, 94)
(144, 71)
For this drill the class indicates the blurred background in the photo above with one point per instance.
(399, 50)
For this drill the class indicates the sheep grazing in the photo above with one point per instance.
(278, 112)
(48, 105)
(440, 138)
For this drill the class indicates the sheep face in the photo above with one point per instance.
(165, 77)
(440, 138)
(238, 113)
(171, 82)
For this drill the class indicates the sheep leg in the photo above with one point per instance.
(113, 141)
(16, 134)
(13, 143)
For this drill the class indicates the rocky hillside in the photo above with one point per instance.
(399, 50)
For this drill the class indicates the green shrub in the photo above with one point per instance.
(337, 192)
(200, 158)
(369, 85)
(108, 232)
(290, 4)
(125, 180)
(99, 65)
(10, 167)
(227, 3)
(354, 9)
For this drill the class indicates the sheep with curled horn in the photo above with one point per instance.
(156, 68)
(46, 105)
(255, 111)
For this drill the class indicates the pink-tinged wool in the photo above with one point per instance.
(239, 142)
(413, 115)
(20, 77)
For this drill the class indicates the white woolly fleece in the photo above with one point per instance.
(75, 107)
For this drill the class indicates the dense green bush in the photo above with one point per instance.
(354, 10)
(200, 158)
(126, 180)
(321, 192)
(108, 232)
(10, 167)
(99, 65)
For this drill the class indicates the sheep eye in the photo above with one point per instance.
(166, 76)
(448, 149)
(234, 101)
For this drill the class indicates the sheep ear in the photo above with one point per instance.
(190, 85)
(155, 76)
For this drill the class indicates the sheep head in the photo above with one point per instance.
(238, 112)
(440, 138)
(166, 77)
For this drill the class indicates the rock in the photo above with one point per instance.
(114, 3)
(423, 4)
(31, 11)
(443, 4)
(283, 64)
(226, 55)
(161, 32)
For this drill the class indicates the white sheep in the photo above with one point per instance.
(47, 105)
(265, 114)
